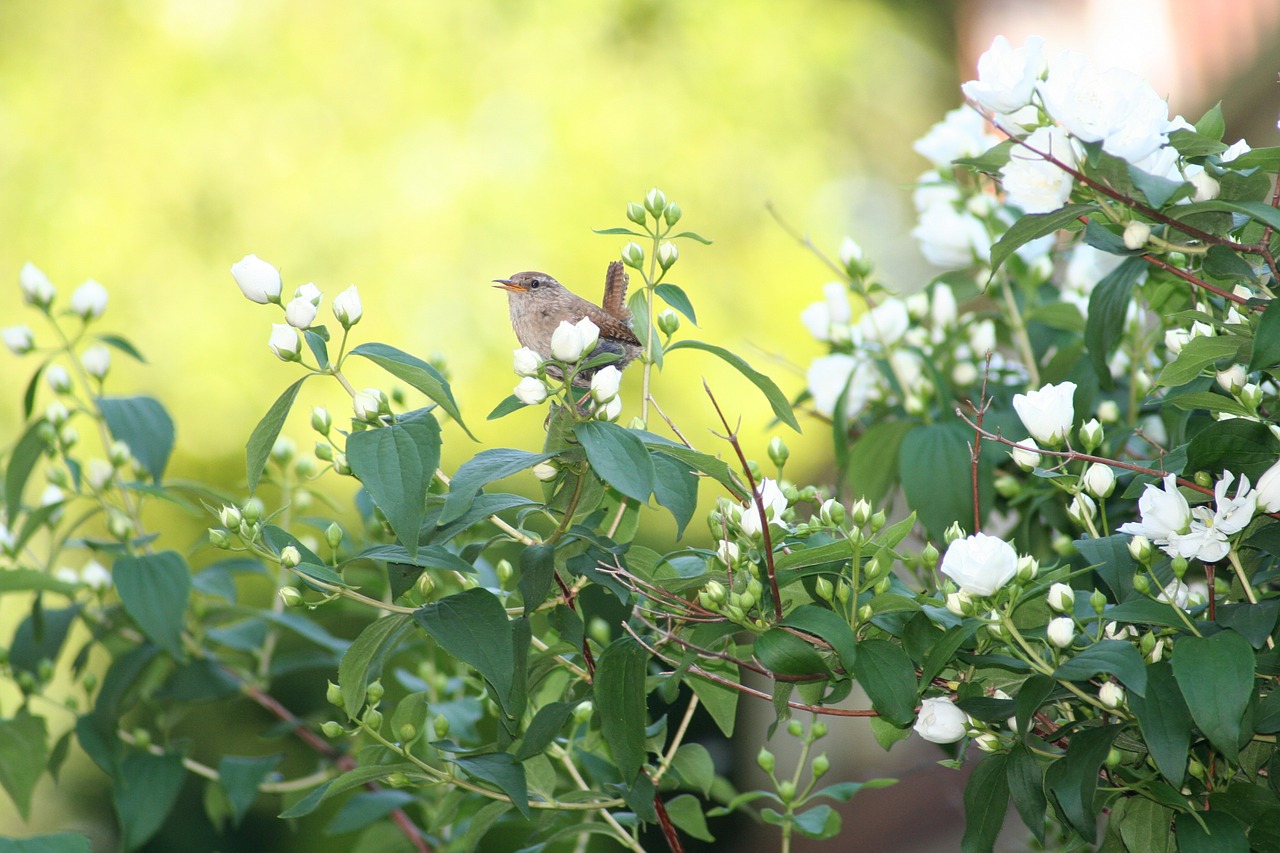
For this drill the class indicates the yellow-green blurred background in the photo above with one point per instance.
(421, 150)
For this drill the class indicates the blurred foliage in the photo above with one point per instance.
(421, 150)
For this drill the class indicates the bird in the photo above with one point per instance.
(538, 304)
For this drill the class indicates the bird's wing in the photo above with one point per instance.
(612, 326)
(615, 292)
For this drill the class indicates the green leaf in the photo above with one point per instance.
(1199, 353)
(1026, 785)
(618, 456)
(416, 372)
(396, 464)
(1209, 402)
(986, 800)
(936, 475)
(366, 807)
(123, 345)
(240, 777)
(1108, 307)
(154, 589)
(482, 822)
(318, 344)
(1241, 446)
(472, 626)
(537, 573)
(1158, 190)
(40, 636)
(481, 470)
(1258, 210)
(620, 703)
(1035, 226)
(676, 298)
(145, 793)
(1221, 833)
(889, 677)
(1073, 780)
(1215, 675)
(543, 728)
(720, 700)
(828, 626)
(777, 400)
(26, 453)
(1143, 825)
(143, 424)
(685, 812)
(1113, 657)
(783, 653)
(263, 438)
(1266, 338)
(713, 467)
(511, 404)
(819, 822)
(1212, 124)
(57, 842)
(340, 784)
(689, 235)
(362, 660)
(618, 231)
(1224, 263)
(872, 466)
(696, 768)
(500, 769)
(24, 749)
(675, 488)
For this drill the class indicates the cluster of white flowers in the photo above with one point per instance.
(88, 302)
(260, 282)
(1181, 530)
(570, 343)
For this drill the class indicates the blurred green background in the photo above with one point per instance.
(420, 150)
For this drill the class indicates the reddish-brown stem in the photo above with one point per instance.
(1198, 282)
(567, 594)
(732, 437)
(664, 820)
(975, 449)
(1210, 570)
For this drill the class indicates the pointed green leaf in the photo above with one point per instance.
(26, 453)
(986, 801)
(1073, 779)
(56, 842)
(1108, 307)
(675, 487)
(417, 373)
(511, 404)
(1026, 785)
(685, 812)
(143, 424)
(544, 727)
(500, 769)
(365, 808)
(1215, 676)
(1221, 833)
(1199, 353)
(145, 794)
(240, 777)
(154, 589)
(1113, 657)
(1266, 339)
(777, 400)
(783, 653)
(1035, 226)
(620, 703)
(618, 456)
(871, 469)
(481, 470)
(830, 627)
(24, 749)
(362, 660)
(472, 626)
(677, 299)
(537, 574)
(263, 438)
(396, 464)
(887, 674)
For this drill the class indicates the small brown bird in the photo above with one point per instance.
(538, 304)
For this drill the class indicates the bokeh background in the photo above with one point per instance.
(421, 149)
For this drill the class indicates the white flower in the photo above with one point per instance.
(1175, 340)
(1032, 182)
(66, 574)
(886, 323)
(1232, 379)
(7, 539)
(963, 132)
(368, 404)
(1111, 695)
(98, 473)
(590, 334)
(982, 337)
(1007, 76)
(727, 552)
(850, 251)
(95, 575)
(959, 603)
(1233, 514)
(1082, 509)
(58, 378)
(940, 721)
(980, 564)
(1136, 234)
(829, 319)
(829, 376)
(284, 341)
(773, 501)
(1049, 413)
(346, 306)
(19, 339)
(525, 361)
(951, 238)
(943, 307)
(604, 384)
(1115, 107)
(668, 254)
(56, 413)
(610, 410)
(531, 391)
(1207, 187)
(51, 495)
(1268, 491)
(1061, 597)
(1099, 480)
(1176, 593)
(566, 342)
(258, 280)
(35, 285)
(1024, 454)
(1164, 512)
(1061, 631)
(96, 360)
(89, 300)
(546, 471)
(300, 312)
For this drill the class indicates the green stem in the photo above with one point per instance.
(1020, 337)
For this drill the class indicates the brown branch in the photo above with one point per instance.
(732, 437)
(975, 449)
(664, 820)
(1199, 282)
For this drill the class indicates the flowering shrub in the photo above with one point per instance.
(1050, 532)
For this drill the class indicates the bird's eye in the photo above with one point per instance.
(535, 283)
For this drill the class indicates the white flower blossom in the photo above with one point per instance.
(96, 360)
(300, 312)
(1033, 183)
(1164, 512)
(284, 342)
(830, 375)
(258, 280)
(1061, 597)
(89, 300)
(1061, 631)
(35, 285)
(886, 323)
(526, 361)
(604, 383)
(566, 342)
(531, 391)
(1115, 107)
(346, 307)
(828, 320)
(1048, 414)
(951, 238)
(19, 339)
(1007, 75)
(940, 721)
(980, 564)
(963, 132)
(773, 501)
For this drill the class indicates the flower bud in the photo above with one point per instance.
(290, 557)
(821, 765)
(19, 339)
(333, 694)
(230, 517)
(219, 538)
(860, 514)
(655, 201)
(1111, 695)
(546, 471)
(530, 390)
(68, 436)
(878, 519)
(832, 512)
(333, 535)
(766, 760)
(97, 361)
(526, 362)
(727, 553)
(36, 288)
(959, 603)
(795, 728)
(668, 254)
(1091, 434)
(332, 728)
(373, 719)
(1232, 379)
(324, 451)
(1061, 631)
(567, 344)
(284, 342)
(1027, 568)
(300, 312)
(635, 213)
(1082, 510)
(953, 532)
(1008, 486)
(1109, 412)
(1141, 584)
(929, 556)
(633, 255)
(370, 404)
(440, 725)
(425, 585)
(1207, 187)
(610, 411)
(582, 711)
(407, 733)
(1136, 235)
(258, 280)
(291, 597)
(1099, 480)
(1251, 395)
(58, 378)
(668, 322)
(604, 383)
(824, 588)
(1175, 340)
(1097, 601)
(375, 691)
(672, 214)
(120, 526)
(1061, 597)
(987, 742)
(347, 309)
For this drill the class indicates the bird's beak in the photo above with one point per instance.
(508, 284)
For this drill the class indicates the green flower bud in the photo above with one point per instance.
(832, 512)
(375, 691)
(283, 450)
(786, 790)
(425, 585)
(882, 585)
(321, 420)
(1203, 478)
(818, 730)
(1008, 486)
(440, 725)
(120, 526)
(1114, 757)
(230, 517)
(373, 719)
(865, 613)
(821, 765)
(929, 556)
(398, 780)
(1141, 584)
(672, 214)
(952, 533)
(1179, 566)
(655, 201)
(1140, 549)
(333, 535)
(779, 453)
(290, 557)
(878, 520)
(795, 728)
(765, 759)
(340, 464)
(291, 597)
(332, 728)
(333, 694)
(635, 213)
(582, 712)
(1091, 435)
(824, 588)
(219, 538)
(1097, 601)
(90, 681)
(408, 732)
(633, 255)
(324, 451)
(504, 572)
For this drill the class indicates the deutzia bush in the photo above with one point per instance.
(1049, 533)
